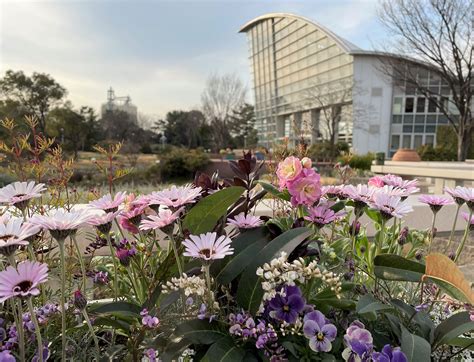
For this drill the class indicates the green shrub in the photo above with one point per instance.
(438, 153)
(324, 151)
(358, 162)
(182, 163)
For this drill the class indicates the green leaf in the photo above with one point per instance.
(120, 308)
(109, 322)
(200, 331)
(238, 263)
(416, 349)
(374, 215)
(395, 267)
(240, 243)
(283, 195)
(207, 212)
(250, 292)
(224, 350)
(453, 327)
(467, 343)
(422, 319)
(368, 304)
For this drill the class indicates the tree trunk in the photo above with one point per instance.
(463, 146)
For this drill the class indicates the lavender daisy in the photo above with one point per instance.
(20, 193)
(109, 203)
(322, 215)
(175, 197)
(61, 224)
(13, 233)
(23, 280)
(319, 332)
(361, 195)
(462, 195)
(469, 219)
(208, 246)
(390, 206)
(243, 221)
(435, 202)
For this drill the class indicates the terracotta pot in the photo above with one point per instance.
(406, 154)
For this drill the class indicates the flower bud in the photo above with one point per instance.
(306, 162)
(402, 237)
(123, 257)
(79, 300)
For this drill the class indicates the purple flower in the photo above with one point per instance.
(361, 195)
(150, 355)
(435, 202)
(208, 246)
(389, 354)
(319, 332)
(150, 322)
(22, 281)
(470, 221)
(390, 206)
(359, 342)
(202, 311)
(101, 277)
(5, 356)
(323, 214)
(243, 221)
(287, 308)
(462, 195)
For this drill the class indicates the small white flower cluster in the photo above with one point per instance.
(287, 329)
(192, 285)
(281, 272)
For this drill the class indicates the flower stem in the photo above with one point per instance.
(21, 332)
(381, 237)
(208, 282)
(354, 236)
(91, 329)
(464, 238)
(451, 235)
(112, 255)
(39, 340)
(176, 255)
(63, 303)
(432, 231)
(81, 262)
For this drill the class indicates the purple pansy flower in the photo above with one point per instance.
(319, 332)
(389, 354)
(359, 342)
(287, 308)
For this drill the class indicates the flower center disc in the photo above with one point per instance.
(320, 336)
(206, 252)
(23, 286)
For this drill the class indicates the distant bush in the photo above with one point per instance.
(324, 151)
(438, 153)
(182, 163)
(358, 162)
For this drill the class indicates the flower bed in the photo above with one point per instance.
(305, 284)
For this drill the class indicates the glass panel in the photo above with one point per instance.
(395, 144)
(406, 141)
(420, 105)
(429, 140)
(396, 119)
(408, 119)
(430, 129)
(397, 105)
(419, 119)
(409, 104)
(419, 129)
(417, 141)
(431, 106)
(408, 128)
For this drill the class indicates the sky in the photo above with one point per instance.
(158, 52)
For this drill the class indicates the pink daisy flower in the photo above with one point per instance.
(331, 191)
(20, 193)
(390, 206)
(208, 246)
(360, 194)
(175, 197)
(13, 233)
(164, 218)
(435, 202)
(376, 181)
(306, 189)
(61, 223)
(103, 222)
(322, 215)
(462, 195)
(465, 216)
(409, 186)
(23, 280)
(109, 204)
(243, 221)
(288, 170)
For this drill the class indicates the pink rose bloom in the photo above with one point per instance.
(288, 170)
(306, 189)
(376, 181)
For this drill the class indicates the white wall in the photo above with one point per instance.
(372, 106)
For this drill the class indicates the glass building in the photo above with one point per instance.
(311, 84)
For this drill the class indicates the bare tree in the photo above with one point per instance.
(435, 37)
(222, 95)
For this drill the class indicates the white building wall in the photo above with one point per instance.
(372, 106)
